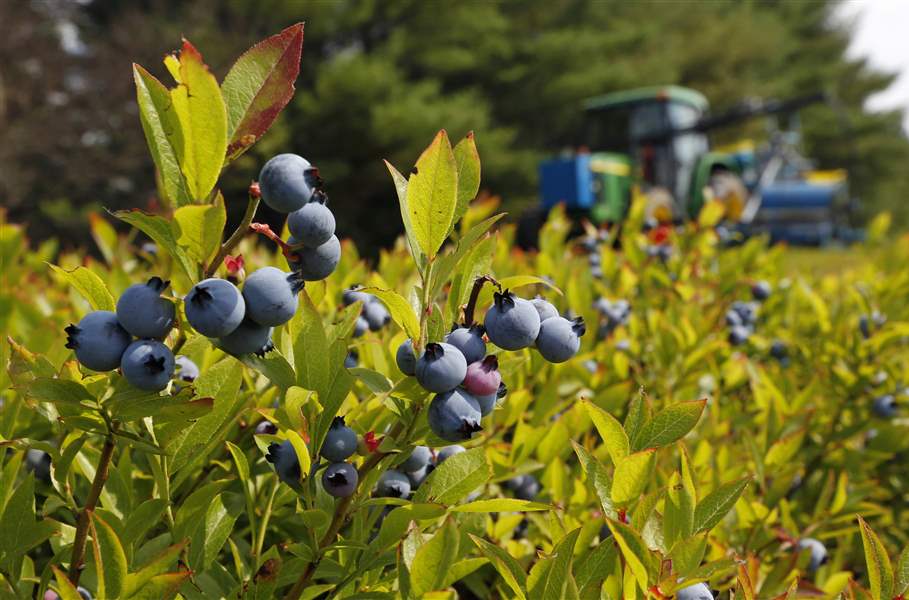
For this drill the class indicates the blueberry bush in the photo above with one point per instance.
(208, 412)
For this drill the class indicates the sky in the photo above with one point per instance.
(882, 36)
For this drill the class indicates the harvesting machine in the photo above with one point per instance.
(656, 140)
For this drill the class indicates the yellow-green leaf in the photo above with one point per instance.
(400, 309)
(302, 453)
(717, 503)
(199, 228)
(880, 571)
(631, 476)
(432, 195)
(89, 285)
(670, 424)
(433, 559)
(110, 559)
(610, 430)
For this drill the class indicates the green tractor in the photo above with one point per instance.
(655, 140)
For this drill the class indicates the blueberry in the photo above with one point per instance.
(84, 593)
(454, 416)
(469, 340)
(545, 309)
(287, 465)
(352, 359)
(352, 294)
(147, 365)
(98, 340)
(39, 462)
(248, 338)
(818, 552)
(266, 427)
(778, 350)
(419, 476)
(512, 323)
(340, 441)
(488, 402)
(865, 322)
(287, 182)
(738, 335)
(483, 377)
(447, 452)
(698, 591)
(376, 315)
(270, 295)
(143, 312)
(884, 407)
(525, 487)
(761, 290)
(407, 362)
(605, 533)
(185, 369)
(590, 366)
(560, 339)
(419, 457)
(214, 307)
(596, 271)
(393, 484)
(441, 368)
(733, 319)
(340, 479)
(315, 264)
(361, 326)
(747, 312)
(594, 260)
(313, 224)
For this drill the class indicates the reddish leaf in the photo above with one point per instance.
(259, 86)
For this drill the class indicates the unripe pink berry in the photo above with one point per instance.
(483, 377)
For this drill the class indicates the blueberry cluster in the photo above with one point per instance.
(613, 313)
(741, 319)
(868, 323)
(591, 244)
(373, 314)
(290, 184)
(407, 477)
(885, 407)
(130, 338)
(524, 487)
(466, 381)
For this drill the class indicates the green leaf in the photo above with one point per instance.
(274, 366)
(396, 523)
(713, 507)
(631, 476)
(19, 532)
(400, 309)
(670, 424)
(240, 461)
(310, 347)
(687, 554)
(610, 430)
(340, 382)
(375, 381)
(142, 519)
(110, 559)
(200, 109)
(198, 228)
(433, 560)
(159, 229)
(467, 161)
(302, 453)
(509, 569)
(162, 587)
(784, 449)
(455, 478)
(210, 534)
(596, 566)
(401, 188)
(880, 571)
(162, 133)
(447, 263)
(462, 569)
(549, 577)
(89, 285)
(901, 584)
(637, 555)
(57, 391)
(65, 588)
(678, 513)
(432, 195)
(155, 566)
(259, 86)
(637, 417)
(501, 505)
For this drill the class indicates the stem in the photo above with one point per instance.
(75, 565)
(238, 233)
(475, 295)
(266, 516)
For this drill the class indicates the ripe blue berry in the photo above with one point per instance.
(447, 452)
(488, 402)
(525, 487)
(340, 441)
(39, 462)
(287, 182)
(248, 338)
(761, 290)
(545, 309)
(454, 416)
(313, 224)
(270, 295)
(885, 407)
(98, 340)
(352, 359)
(185, 369)
(361, 326)
(266, 427)
(340, 479)
(418, 477)
(818, 552)
(738, 335)
(698, 591)
(778, 350)
(315, 264)
(393, 484)
(214, 307)
(441, 368)
(352, 294)
(747, 311)
(407, 362)
(469, 340)
(143, 312)
(419, 458)
(376, 315)
(483, 377)
(512, 323)
(287, 465)
(560, 339)
(147, 365)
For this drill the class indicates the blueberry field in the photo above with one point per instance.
(195, 410)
